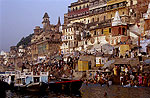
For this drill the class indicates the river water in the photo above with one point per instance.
(90, 91)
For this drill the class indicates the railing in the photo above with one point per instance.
(43, 73)
(78, 13)
(32, 74)
(29, 73)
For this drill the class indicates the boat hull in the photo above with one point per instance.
(38, 87)
(65, 86)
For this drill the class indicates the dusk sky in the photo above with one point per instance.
(18, 18)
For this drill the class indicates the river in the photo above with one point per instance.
(90, 91)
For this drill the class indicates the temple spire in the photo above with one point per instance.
(147, 15)
(117, 20)
(148, 11)
(59, 23)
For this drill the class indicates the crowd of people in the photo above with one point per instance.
(124, 75)
(132, 76)
(56, 68)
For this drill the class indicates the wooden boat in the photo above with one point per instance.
(31, 82)
(65, 85)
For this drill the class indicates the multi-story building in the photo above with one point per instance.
(28, 55)
(12, 55)
(106, 21)
(45, 41)
(4, 58)
(1, 60)
(72, 34)
(78, 12)
(147, 22)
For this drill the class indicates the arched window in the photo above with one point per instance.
(104, 18)
(123, 31)
(92, 19)
(97, 19)
(87, 5)
(94, 32)
(111, 15)
(109, 30)
(76, 8)
(122, 13)
(102, 31)
(119, 31)
(83, 6)
(80, 7)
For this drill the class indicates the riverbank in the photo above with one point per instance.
(91, 91)
(114, 91)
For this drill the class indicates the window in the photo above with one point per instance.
(109, 30)
(135, 15)
(104, 18)
(141, 14)
(92, 19)
(94, 32)
(98, 19)
(123, 31)
(80, 7)
(119, 31)
(76, 8)
(111, 15)
(85, 42)
(83, 6)
(87, 5)
(114, 6)
(102, 31)
(73, 9)
(122, 13)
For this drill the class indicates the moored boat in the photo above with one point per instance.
(65, 85)
(29, 81)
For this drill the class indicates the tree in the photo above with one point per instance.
(25, 41)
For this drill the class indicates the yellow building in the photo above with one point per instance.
(83, 65)
(124, 49)
(106, 10)
(97, 16)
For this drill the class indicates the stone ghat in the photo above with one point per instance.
(113, 91)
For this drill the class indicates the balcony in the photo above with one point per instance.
(78, 13)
